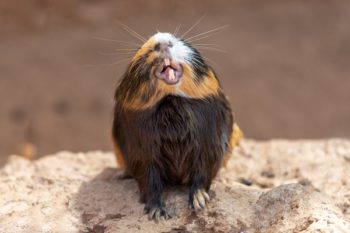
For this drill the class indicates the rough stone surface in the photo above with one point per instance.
(273, 186)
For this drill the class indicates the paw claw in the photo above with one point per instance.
(200, 199)
(206, 196)
(157, 213)
(196, 204)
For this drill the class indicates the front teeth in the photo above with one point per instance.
(171, 74)
(167, 61)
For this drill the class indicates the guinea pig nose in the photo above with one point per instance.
(164, 47)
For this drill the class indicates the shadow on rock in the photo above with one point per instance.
(108, 204)
(105, 198)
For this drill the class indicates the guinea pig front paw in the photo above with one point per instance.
(156, 212)
(199, 199)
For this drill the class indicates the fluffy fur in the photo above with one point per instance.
(170, 134)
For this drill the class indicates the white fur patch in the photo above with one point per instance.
(164, 37)
(179, 52)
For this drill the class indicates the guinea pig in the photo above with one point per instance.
(172, 123)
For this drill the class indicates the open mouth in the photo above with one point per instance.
(169, 71)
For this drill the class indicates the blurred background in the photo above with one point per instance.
(286, 66)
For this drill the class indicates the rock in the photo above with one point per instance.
(294, 186)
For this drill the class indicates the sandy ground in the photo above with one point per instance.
(286, 69)
(268, 187)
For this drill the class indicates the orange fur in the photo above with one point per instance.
(236, 136)
(144, 48)
(151, 57)
(162, 90)
(188, 86)
(118, 155)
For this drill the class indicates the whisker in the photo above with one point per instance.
(212, 49)
(177, 29)
(205, 34)
(112, 40)
(132, 32)
(203, 37)
(213, 45)
(206, 59)
(114, 54)
(118, 62)
(111, 64)
(211, 61)
(194, 25)
(126, 49)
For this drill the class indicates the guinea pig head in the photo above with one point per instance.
(167, 65)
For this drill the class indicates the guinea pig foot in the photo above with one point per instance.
(157, 213)
(200, 199)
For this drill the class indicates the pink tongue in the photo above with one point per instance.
(169, 73)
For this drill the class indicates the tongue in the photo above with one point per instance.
(169, 73)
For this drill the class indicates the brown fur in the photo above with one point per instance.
(168, 135)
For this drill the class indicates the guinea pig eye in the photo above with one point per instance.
(170, 44)
(157, 47)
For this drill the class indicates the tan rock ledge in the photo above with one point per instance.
(294, 186)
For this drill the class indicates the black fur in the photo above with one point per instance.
(177, 141)
(200, 68)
